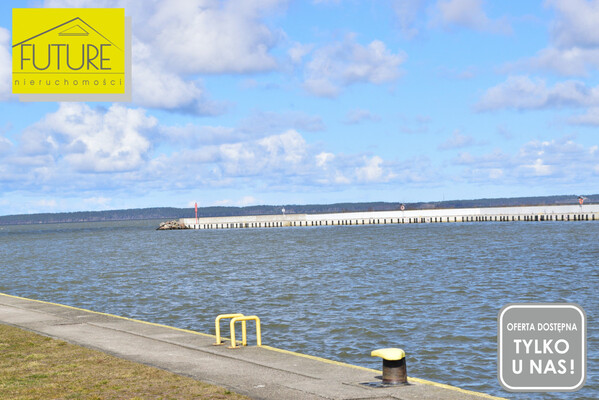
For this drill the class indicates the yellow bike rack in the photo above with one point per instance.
(217, 326)
(243, 320)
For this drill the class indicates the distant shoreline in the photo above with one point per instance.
(170, 213)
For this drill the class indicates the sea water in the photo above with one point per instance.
(335, 291)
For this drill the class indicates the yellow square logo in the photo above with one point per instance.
(68, 51)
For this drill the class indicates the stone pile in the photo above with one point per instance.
(169, 225)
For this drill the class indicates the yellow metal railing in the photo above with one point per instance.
(243, 320)
(217, 326)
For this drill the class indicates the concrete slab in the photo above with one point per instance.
(259, 372)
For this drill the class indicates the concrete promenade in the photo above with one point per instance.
(258, 372)
(587, 212)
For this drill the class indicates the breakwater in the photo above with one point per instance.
(587, 212)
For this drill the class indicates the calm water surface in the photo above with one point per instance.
(336, 292)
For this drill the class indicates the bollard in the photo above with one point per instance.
(395, 371)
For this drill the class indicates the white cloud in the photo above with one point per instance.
(576, 23)
(322, 159)
(211, 36)
(174, 41)
(339, 179)
(372, 171)
(522, 92)
(99, 154)
(202, 36)
(573, 61)
(321, 87)
(154, 87)
(340, 64)
(287, 148)
(559, 161)
(539, 168)
(88, 140)
(573, 51)
(468, 14)
(574, 47)
(280, 160)
(5, 66)
(282, 154)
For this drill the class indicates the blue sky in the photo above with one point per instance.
(295, 102)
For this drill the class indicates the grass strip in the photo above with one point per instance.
(37, 367)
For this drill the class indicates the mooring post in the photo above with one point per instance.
(395, 371)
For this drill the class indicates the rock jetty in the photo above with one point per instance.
(170, 225)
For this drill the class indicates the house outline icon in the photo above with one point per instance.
(67, 35)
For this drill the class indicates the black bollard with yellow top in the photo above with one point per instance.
(395, 371)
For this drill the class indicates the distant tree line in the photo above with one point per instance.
(174, 213)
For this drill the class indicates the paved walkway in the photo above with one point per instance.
(258, 372)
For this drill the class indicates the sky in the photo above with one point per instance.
(280, 102)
